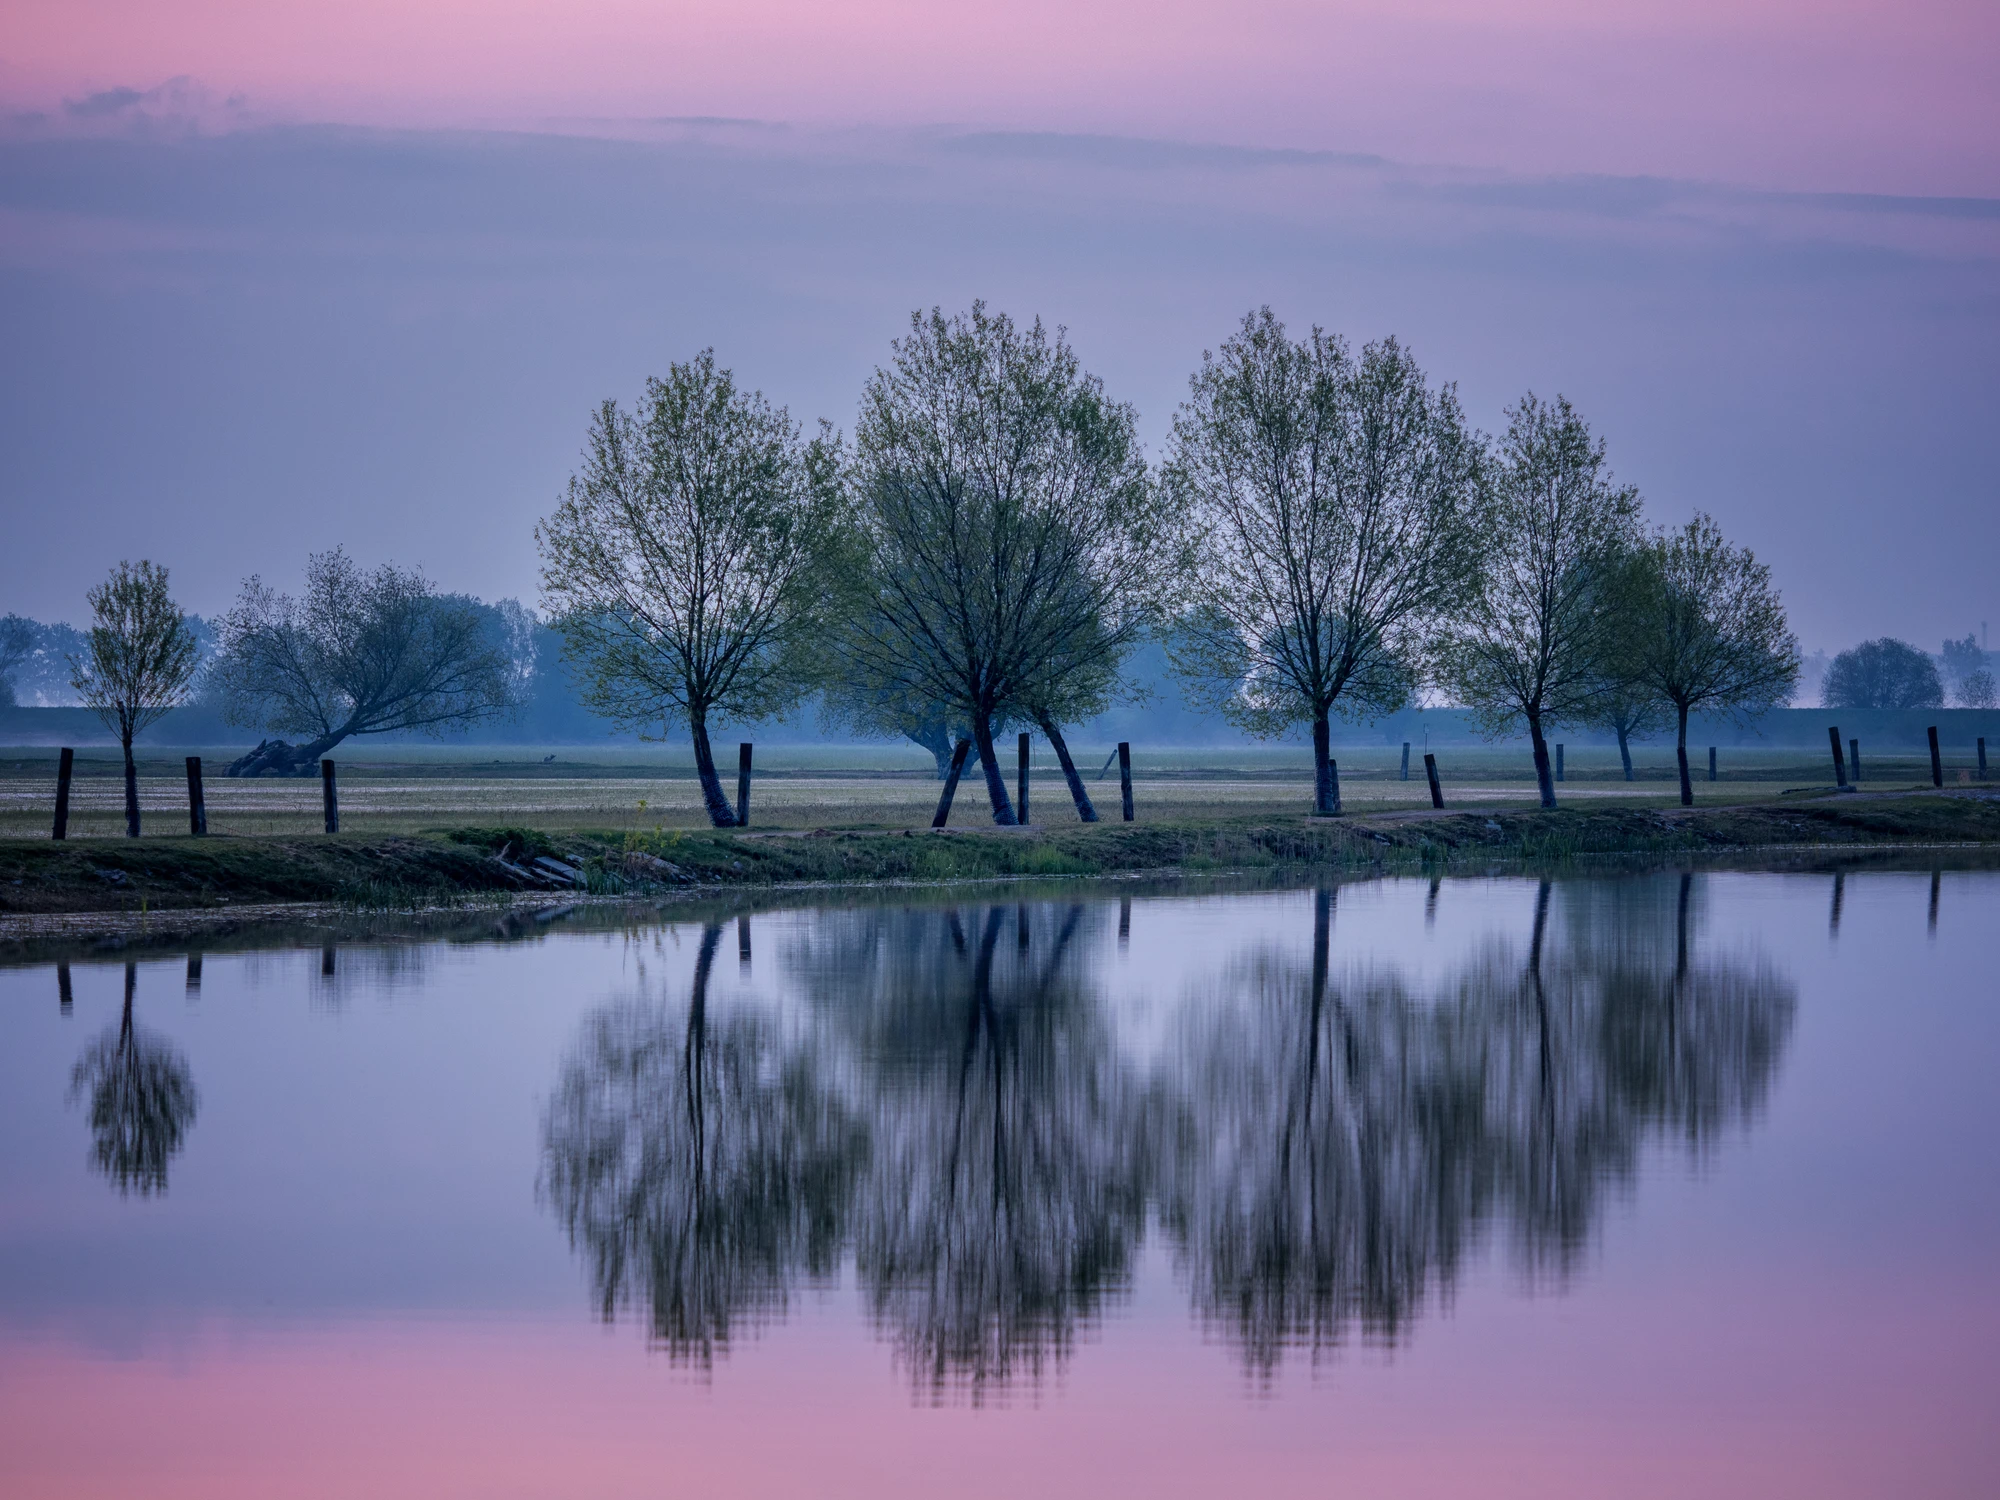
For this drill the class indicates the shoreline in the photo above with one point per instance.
(106, 895)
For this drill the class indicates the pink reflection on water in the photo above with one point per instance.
(1769, 1385)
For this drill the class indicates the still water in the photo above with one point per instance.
(1646, 1185)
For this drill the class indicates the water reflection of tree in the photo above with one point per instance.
(1334, 1146)
(700, 1165)
(1004, 1201)
(1325, 1145)
(142, 1101)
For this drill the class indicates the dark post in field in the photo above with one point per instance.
(1839, 760)
(65, 996)
(1431, 775)
(1711, 762)
(1021, 778)
(743, 785)
(329, 798)
(197, 809)
(943, 813)
(1982, 757)
(1559, 760)
(743, 943)
(1125, 777)
(1406, 760)
(1937, 761)
(1854, 761)
(65, 768)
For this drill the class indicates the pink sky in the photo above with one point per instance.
(1852, 94)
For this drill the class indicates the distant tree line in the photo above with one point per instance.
(1326, 536)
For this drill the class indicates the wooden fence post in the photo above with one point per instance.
(1125, 777)
(1711, 762)
(1559, 760)
(197, 809)
(329, 798)
(1431, 775)
(1021, 778)
(1982, 757)
(1839, 760)
(743, 784)
(1937, 761)
(1406, 760)
(943, 813)
(65, 768)
(1854, 761)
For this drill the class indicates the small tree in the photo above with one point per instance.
(17, 644)
(1976, 689)
(1333, 510)
(1531, 645)
(360, 653)
(138, 662)
(1629, 710)
(1885, 673)
(691, 565)
(1706, 630)
(1010, 532)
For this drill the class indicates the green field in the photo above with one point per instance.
(403, 788)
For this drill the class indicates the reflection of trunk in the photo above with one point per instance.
(1324, 800)
(1625, 751)
(996, 785)
(1687, 786)
(131, 793)
(1077, 794)
(1544, 781)
(720, 813)
(693, 1056)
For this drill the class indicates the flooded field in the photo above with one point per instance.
(1640, 1185)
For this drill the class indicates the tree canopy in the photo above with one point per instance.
(1884, 673)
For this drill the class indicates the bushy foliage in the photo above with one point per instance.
(1884, 673)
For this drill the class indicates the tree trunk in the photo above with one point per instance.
(277, 758)
(1544, 780)
(936, 739)
(1077, 794)
(1323, 798)
(720, 813)
(996, 784)
(131, 790)
(1625, 751)
(1687, 785)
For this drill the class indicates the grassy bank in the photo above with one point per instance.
(366, 871)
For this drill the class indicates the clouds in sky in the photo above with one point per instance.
(232, 342)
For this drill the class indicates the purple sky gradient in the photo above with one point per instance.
(278, 279)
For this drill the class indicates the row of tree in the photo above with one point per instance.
(1326, 536)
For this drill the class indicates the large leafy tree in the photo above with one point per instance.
(1704, 630)
(360, 652)
(139, 660)
(1885, 673)
(691, 565)
(1333, 510)
(1530, 645)
(1010, 534)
